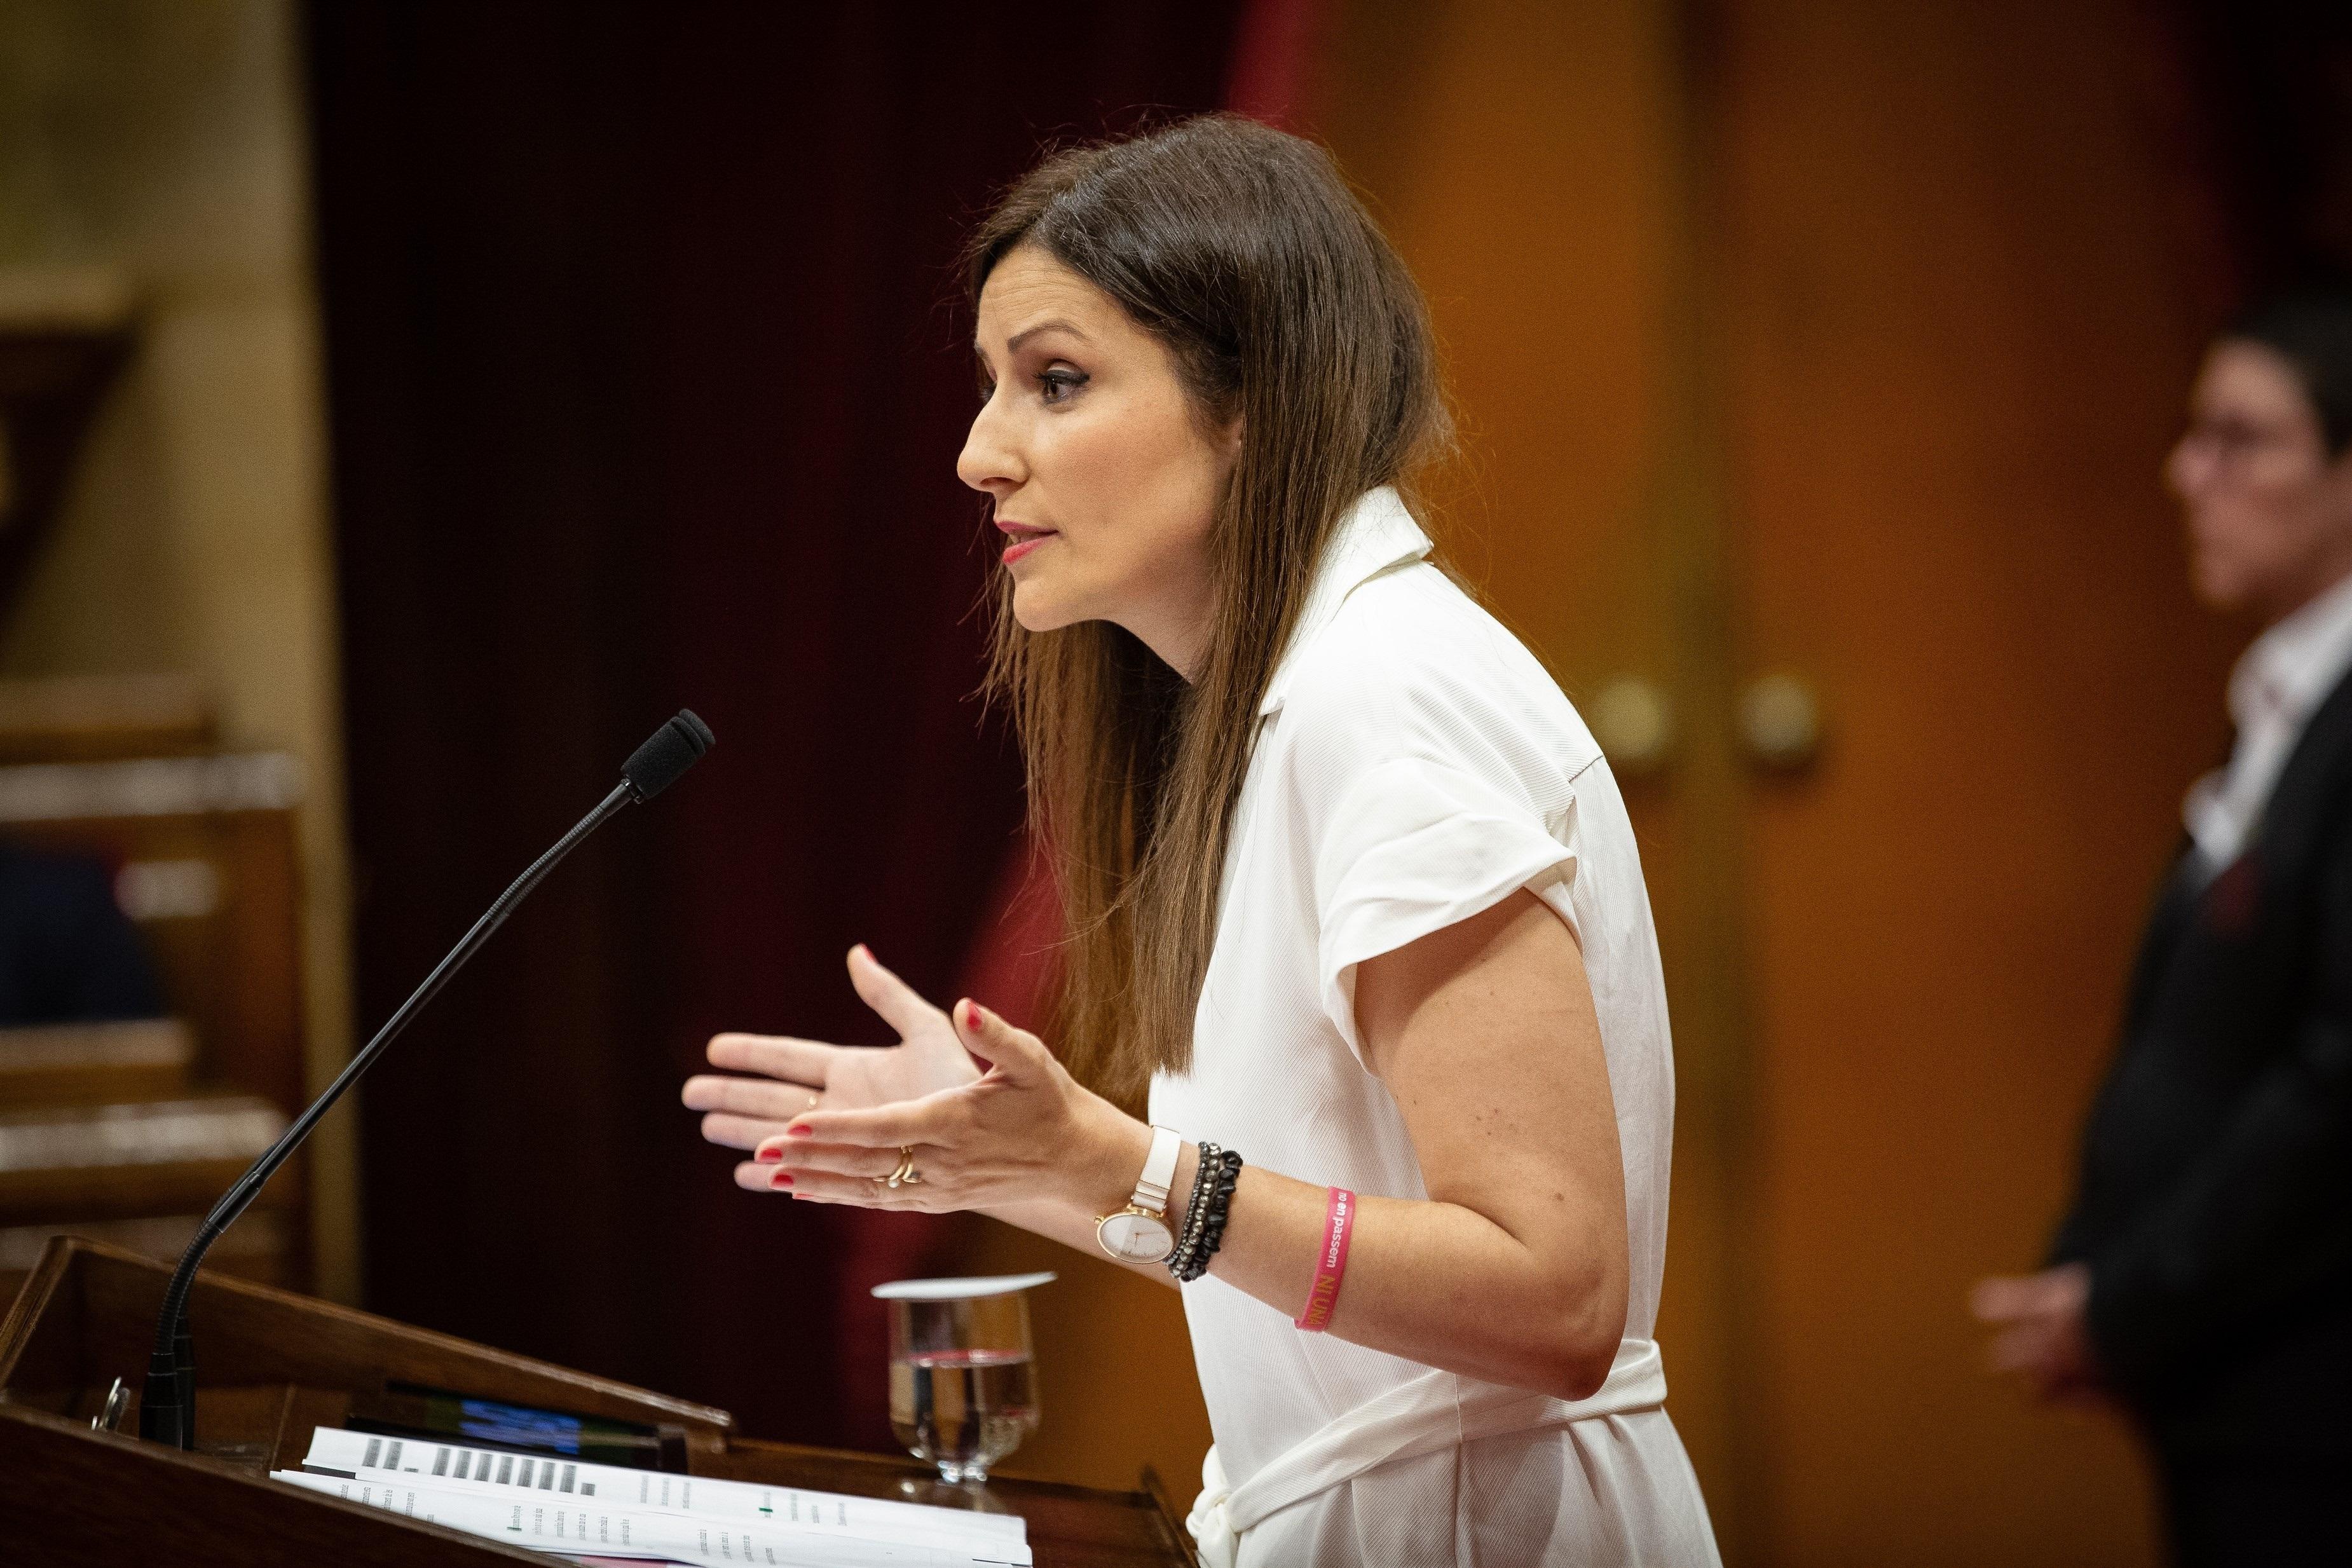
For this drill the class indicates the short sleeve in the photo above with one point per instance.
(1415, 843)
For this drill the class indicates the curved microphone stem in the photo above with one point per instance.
(167, 1404)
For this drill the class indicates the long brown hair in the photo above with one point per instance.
(1242, 250)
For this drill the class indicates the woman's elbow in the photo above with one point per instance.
(1583, 1345)
(1577, 1373)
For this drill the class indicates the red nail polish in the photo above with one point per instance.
(798, 1133)
(972, 1015)
(767, 1157)
(781, 1179)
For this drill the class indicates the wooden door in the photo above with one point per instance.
(1964, 268)
(1841, 342)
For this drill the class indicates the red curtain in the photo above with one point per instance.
(645, 385)
(1274, 51)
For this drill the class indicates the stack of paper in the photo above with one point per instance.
(604, 1511)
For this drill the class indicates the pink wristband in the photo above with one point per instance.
(1331, 1263)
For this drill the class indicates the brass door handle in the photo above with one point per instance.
(1780, 723)
(1635, 721)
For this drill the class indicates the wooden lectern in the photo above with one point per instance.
(272, 1366)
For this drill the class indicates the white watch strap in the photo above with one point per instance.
(1158, 1171)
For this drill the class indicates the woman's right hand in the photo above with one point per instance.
(786, 1076)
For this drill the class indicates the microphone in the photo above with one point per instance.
(167, 1403)
(667, 753)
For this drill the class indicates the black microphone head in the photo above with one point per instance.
(672, 749)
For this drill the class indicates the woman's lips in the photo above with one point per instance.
(1024, 542)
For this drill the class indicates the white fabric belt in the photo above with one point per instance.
(1435, 1410)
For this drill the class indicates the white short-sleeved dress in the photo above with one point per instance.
(1415, 765)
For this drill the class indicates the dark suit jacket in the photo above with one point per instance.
(2214, 1207)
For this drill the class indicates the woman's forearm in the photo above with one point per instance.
(1433, 1283)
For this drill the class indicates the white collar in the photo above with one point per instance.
(1373, 535)
(2300, 660)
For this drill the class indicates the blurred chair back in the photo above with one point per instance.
(127, 1129)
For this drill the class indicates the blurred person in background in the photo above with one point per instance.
(67, 953)
(2203, 1278)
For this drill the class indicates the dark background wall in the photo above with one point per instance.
(646, 382)
(2277, 75)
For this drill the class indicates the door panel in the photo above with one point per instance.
(1962, 286)
(1842, 340)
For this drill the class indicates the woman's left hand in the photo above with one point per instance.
(1024, 1130)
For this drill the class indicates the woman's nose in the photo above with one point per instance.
(987, 461)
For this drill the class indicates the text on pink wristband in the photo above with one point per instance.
(1331, 1262)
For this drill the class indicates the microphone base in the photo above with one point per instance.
(162, 1416)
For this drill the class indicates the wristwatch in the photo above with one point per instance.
(1140, 1233)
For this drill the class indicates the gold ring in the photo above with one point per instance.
(905, 1175)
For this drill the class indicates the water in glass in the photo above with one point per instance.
(962, 1385)
(963, 1409)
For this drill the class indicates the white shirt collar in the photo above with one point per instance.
(2277, 686)
(1373, 535)
(2295, 663)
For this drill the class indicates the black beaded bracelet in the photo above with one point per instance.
(1195, 1208)
(1212, 1193)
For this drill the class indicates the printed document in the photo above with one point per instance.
(555, 1505)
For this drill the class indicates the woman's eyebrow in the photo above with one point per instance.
(1056, 324)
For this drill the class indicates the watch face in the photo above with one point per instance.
(1133, 1237)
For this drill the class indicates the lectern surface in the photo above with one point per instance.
(273, 1366)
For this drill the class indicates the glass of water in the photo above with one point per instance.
(964, 1390)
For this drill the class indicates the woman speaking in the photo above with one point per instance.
(1352, 900)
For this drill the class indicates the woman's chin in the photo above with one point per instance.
(1039, 609)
